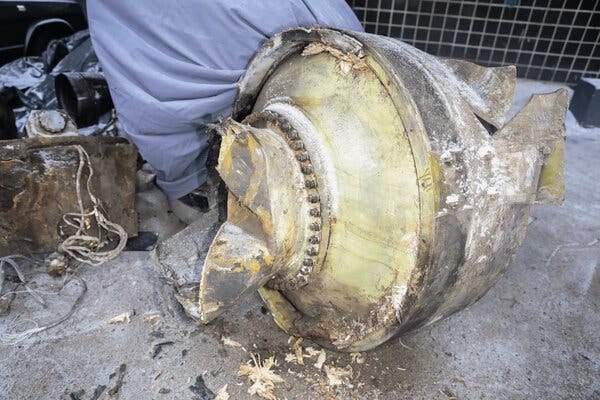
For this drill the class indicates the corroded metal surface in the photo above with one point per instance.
(38, 186)
(423, 190)
(50, 123)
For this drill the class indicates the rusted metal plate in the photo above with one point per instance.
(38, 186)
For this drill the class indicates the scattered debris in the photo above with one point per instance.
(230, 342)
(125, 317)
(199, 388)
(320, 360)
(449, 394)
(347, 62)
(298, 351)
(262, 378)
(290, 358)
(78, 395)
(120, 375)
(299, 354)
(358, 358)
(57, 264)
(222, 394)
(153, 318)
(156, 348)
(98, 392)
(338, 376)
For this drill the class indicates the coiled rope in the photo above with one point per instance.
(82, 246)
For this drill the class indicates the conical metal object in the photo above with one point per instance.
(374, 188)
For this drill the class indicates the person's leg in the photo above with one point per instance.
(179, 159)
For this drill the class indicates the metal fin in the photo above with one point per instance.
(489, 91)
(541, 123)
(541, 120)
(237, 263)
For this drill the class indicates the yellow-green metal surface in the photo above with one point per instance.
(376, 216)
(375, 188)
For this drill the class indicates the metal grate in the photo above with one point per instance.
(553, 40)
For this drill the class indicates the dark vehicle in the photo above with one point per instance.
(26, 27)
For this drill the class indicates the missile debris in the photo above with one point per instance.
(374, 188)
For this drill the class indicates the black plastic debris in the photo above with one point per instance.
(144, 241)
(84, 96)
(199, 388)
(31, 80)
(8, 129)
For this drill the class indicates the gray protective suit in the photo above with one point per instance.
(172, 66)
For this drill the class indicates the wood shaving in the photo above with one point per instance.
(151, 318)
(338, 376)
(347, 62)
(262, 378)
(320, 360)
(222, 394)
(125, 317)
(298, 351)
(299, 354)
(230, 342)
(358, 358)
(290, 357)
(311, 352)
(313, 48)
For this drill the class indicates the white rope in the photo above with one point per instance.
(8, 331)
(9, 260)
(12, 338)
(81, 246)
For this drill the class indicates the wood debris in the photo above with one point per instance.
(337, 376)
(222, 394)
(262, 378)
(125, 317)
(151, 317)
(298, 351)
(230, 342)
(290, 358)
(299, 354)
(358, 358)
(347, 62)
(320, 360)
